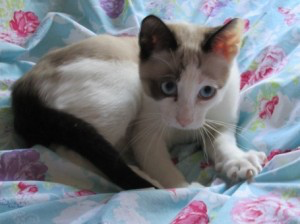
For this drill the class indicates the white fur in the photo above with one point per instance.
(151, 147)
(106, 94)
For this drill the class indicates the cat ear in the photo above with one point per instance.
(225, 40)
(155, 36)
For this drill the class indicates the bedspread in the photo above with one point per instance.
(37, 186)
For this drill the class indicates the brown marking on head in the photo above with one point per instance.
(160, 67)
(155, 36)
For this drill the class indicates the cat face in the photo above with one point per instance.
(185, 68)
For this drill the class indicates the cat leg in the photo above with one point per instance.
(153, 157)
(230, 160)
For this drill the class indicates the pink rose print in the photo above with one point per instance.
(6, 37)
(268, 107)
(275, 152)
(289, 18)
(271, 60)
(211, 7)
(194, 213)
(246, 23)
(245, 78)
(112, 8)
(27, 188)
(82, 192)
(22, 165)
(264, 209)
(24, 23)
(11, 37)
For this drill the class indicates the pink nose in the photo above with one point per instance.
(184, 121)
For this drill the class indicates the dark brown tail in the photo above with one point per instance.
(39, 124)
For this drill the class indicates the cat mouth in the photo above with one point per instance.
(190, 127)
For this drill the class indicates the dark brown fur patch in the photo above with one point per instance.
(155, 36)
(161, 66)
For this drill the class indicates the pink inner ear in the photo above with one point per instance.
(227, 45)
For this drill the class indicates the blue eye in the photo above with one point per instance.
(207, 92)
(169, 88)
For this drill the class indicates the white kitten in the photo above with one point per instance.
(92, 96)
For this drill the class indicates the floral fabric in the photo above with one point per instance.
(37, 186)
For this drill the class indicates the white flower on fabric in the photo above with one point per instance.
(78, 34)
(246, 103)
(80, 212)
(245, 192)
(259, 142)
(179, 194)
(26, 218)
(295, 34)
(127, 212)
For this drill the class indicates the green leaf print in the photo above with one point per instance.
(289, 194)
(275, 85)
(253, 66)
(296, 80)
(267, 92)
(258, 124)
(4, 86)
(7, 9)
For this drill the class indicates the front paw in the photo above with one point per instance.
(244, 166)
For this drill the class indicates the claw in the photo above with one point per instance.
(249, 175)
(265, 162)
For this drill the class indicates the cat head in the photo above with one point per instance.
(185, 67)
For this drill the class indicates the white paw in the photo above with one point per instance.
(244, 166)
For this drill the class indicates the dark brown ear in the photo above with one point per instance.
(155, 36)
(226, 40)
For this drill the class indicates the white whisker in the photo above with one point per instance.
(204, 144)
(231, 126)
(150, 143)
(221, 123)
(211, 138)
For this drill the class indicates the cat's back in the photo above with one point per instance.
(102, 47)
(95, 80)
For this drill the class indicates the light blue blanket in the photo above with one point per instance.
(39, 187)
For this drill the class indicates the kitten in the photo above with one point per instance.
(89, 97)
(191, 80)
